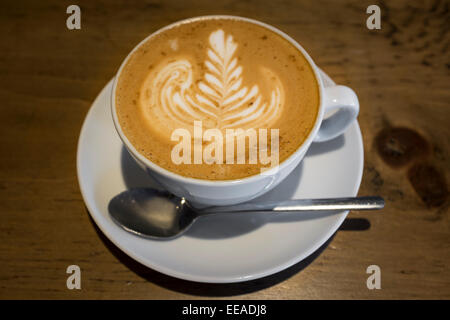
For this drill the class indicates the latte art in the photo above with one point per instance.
(219, 98)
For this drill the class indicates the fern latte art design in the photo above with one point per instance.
(226, 74)
(219, 98)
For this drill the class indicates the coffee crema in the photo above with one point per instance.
(227, 73)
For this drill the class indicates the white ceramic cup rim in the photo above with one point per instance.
(203, 182)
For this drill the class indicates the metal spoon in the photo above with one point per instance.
(160, 215)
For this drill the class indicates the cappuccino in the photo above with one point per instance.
(230, 74)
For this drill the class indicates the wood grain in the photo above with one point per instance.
(49, 76)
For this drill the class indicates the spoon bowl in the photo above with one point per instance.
(151, 213)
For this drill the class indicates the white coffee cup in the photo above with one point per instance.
(340, 99)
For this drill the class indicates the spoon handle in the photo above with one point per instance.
(354, 203)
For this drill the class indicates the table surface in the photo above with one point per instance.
(49, 77)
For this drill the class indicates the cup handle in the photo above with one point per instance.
(344, 100)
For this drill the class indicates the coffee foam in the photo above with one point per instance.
(227, 73)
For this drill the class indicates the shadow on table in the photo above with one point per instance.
(222, 290)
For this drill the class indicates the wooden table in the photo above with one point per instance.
(49, 77)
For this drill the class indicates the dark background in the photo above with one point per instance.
(49, 77)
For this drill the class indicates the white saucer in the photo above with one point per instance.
(220, 249)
